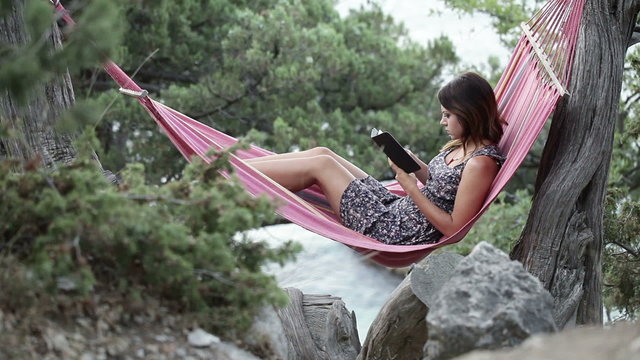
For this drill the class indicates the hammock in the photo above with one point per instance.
(535, 79)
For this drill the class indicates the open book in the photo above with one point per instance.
(394, 150)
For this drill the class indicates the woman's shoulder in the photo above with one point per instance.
(482, 164)
(490, 153)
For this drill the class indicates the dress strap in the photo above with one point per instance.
(491, 151)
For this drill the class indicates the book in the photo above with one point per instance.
(394, 150)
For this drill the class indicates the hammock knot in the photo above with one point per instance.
(134, 93)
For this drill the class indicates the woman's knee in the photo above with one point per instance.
(329, 173)
(324, 161)
(323, 151)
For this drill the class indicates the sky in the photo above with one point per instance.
(473, 37)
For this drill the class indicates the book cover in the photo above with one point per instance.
(394, 150)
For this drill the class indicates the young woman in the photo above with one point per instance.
(456, 181)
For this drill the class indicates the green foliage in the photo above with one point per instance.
(32, 62)
(622, 210)
(501, 225)
(622, 253)
(292, 73)
(177, 242)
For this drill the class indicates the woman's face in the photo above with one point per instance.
(451, 124)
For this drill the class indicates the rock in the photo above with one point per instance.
(620, 342)
(86, 356)
(117, 346)
(428, 276)
(58, 342)
(490, 302)
(266, 336)
(201, 338)
(66, 284)
(224, 351)
(151, 348)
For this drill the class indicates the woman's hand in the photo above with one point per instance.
(423, 173)
(407, 181)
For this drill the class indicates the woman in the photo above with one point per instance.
(456, 181)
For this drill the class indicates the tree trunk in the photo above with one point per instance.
(34, 121)
(562, 240)
(399, 331)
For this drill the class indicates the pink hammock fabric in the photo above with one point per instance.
(527, 93)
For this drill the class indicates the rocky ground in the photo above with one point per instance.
(154, 334)
(618, 342)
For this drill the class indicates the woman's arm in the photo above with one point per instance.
(476, 180)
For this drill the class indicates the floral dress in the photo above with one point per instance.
(369, 208)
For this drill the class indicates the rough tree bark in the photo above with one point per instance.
(562, 240)
(34, 122)
(319, 327)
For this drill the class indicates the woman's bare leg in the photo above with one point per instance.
(297, 173)
(317, 151)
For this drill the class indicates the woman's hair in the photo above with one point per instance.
(470, 97)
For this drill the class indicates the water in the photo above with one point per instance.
(329, 268)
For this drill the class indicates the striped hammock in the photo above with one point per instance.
(536, 77)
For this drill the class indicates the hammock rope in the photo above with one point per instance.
(536, 77)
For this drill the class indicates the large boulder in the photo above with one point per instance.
(620, 342)
(266, 337)
(490, 302)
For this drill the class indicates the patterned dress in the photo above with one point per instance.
(369, 208)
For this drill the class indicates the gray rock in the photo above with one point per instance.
(428, 276)
(57, 341)
(266, 335)
(117, 346)
(66, 284)
(226, 351)
(620, 342)
(201, 338)
(490, 302)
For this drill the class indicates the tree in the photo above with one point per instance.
(68, 239)
(292, 74)
(49, 100)
(563, 239)
(562, 245)
(35, 80)
(622, 211)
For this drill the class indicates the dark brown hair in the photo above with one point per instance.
(470, 97)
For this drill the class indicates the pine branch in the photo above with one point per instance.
(630, 250)
(146, 73)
